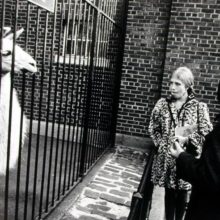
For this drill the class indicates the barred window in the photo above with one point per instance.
(79, 38)
(77, 43)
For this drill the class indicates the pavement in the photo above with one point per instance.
(157, 209)
(106, 192)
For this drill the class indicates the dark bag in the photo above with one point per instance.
(191, 148)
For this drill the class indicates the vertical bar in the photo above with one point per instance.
(47, 120)
(77, 71)
(10, 113)
(53, 120)
(108, 12)
(72, 160)
(58, 131)
(115, 4)
(29, 149)
(99, 65)
(82, 67)
(88, 98)
(103, 74)
(106, 58)
(20, 147)
(111, 66)
(89, 147)
(94, 119)
(76, 115)
(108, 48)
(106, 40)
(65, 111)
(79, 96)
(97, 147)
(68, 114)
(61, 100)
(39, 118)
(78, 100)
(31, 121)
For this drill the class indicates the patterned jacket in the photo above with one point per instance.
(164, 119)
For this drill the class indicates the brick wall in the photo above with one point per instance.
(145, 49)
(193, 40)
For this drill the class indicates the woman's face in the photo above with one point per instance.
(177, 88)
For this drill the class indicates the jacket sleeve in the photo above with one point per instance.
(203, 173)
(155, 129)
(204, 127)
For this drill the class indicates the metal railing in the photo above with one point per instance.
(70, 103)
(141, 199)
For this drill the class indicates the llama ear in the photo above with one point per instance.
(10, 36)
(6, 30)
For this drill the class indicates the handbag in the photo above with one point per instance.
(190, 147)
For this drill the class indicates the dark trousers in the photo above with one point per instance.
(175, 203)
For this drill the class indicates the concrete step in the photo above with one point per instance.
(157, 208)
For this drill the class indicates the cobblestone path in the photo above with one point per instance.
(108, 195)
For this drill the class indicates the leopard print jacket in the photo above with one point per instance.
(164, 118)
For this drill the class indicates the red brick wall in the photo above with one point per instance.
(193, 40)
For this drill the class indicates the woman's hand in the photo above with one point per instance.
(176, 149)
(182, 140)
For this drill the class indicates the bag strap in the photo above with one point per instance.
(198, 116)
(171, 116)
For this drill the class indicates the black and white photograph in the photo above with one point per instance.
(110, 110)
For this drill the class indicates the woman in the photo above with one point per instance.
(183, 118)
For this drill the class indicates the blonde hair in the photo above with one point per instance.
(185, 75)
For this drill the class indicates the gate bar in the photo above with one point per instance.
(47, 118)
(71, 102)
(10, 115)
(88, 100)
(58, 132)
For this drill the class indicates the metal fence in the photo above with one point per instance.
(142, 198)
(67, 108)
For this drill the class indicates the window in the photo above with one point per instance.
(77, 40)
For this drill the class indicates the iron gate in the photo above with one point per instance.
(68, 107)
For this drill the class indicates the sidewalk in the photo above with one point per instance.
(107, 191)
(157, 209)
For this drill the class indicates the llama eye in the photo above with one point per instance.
(6, 53)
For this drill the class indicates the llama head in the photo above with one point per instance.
(22, 60)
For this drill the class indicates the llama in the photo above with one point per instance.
(22, 61)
